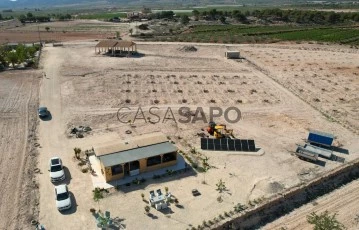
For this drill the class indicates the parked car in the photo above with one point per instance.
(56, 170)
(63, 199)
(43, 112)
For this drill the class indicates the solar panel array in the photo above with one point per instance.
(226, 144)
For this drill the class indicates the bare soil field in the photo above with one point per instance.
(60, 31)
(83, 88)
(18, 122)
(327, 78)
(343, 201)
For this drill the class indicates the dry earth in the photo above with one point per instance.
(14, 31)
(18, 110)
(325, 77)
(343, 201)
(82, 88)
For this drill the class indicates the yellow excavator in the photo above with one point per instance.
(219, 130)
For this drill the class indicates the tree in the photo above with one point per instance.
(184, 19)
(97, 195)
(29, 15)
(195, 14)
(131, 31)
(77, 152)
(22, 53)
(147, 209)
(12, 57)
(205, 166)
(117, 35)
(3, 54)
(325, 221)
(221, 186)
(222, 19)
(47, 28)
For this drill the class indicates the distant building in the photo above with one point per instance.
(138, 16)
(134, 156)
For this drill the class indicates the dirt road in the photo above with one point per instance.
(54, 143)
(344, 201)
(18, 104)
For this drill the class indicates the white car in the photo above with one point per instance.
(63, 199)
(56, 170)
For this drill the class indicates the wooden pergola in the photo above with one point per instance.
(125, 47)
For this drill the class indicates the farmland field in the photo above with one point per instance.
(250, 34)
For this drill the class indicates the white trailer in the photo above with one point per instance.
(304, 153)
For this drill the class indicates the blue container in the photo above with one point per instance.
(320, 138)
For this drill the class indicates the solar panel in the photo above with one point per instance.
(251, 146)
(238, 145)
(244, 145)
(231, 146)
(210, 144)
(224, 144)
(217, 144)
(204, 143)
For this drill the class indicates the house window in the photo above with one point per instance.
(117, 169)
(156, 160)
(169, 157)
(134, 165)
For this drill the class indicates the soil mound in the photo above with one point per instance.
(188, 49)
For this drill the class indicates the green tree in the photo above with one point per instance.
(221, 186)
(22, 53)
(97, 195)
(12, 57)
(131, 31)
(22, 18)
(206, 167)
(184, 19)
(3, 54)
(325, 221)
(29, 15)
(195, 14)
(47, 28)
(222, 19)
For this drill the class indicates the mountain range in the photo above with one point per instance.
(71, 3)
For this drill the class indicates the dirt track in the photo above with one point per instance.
(18, 121)
(344, 201)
